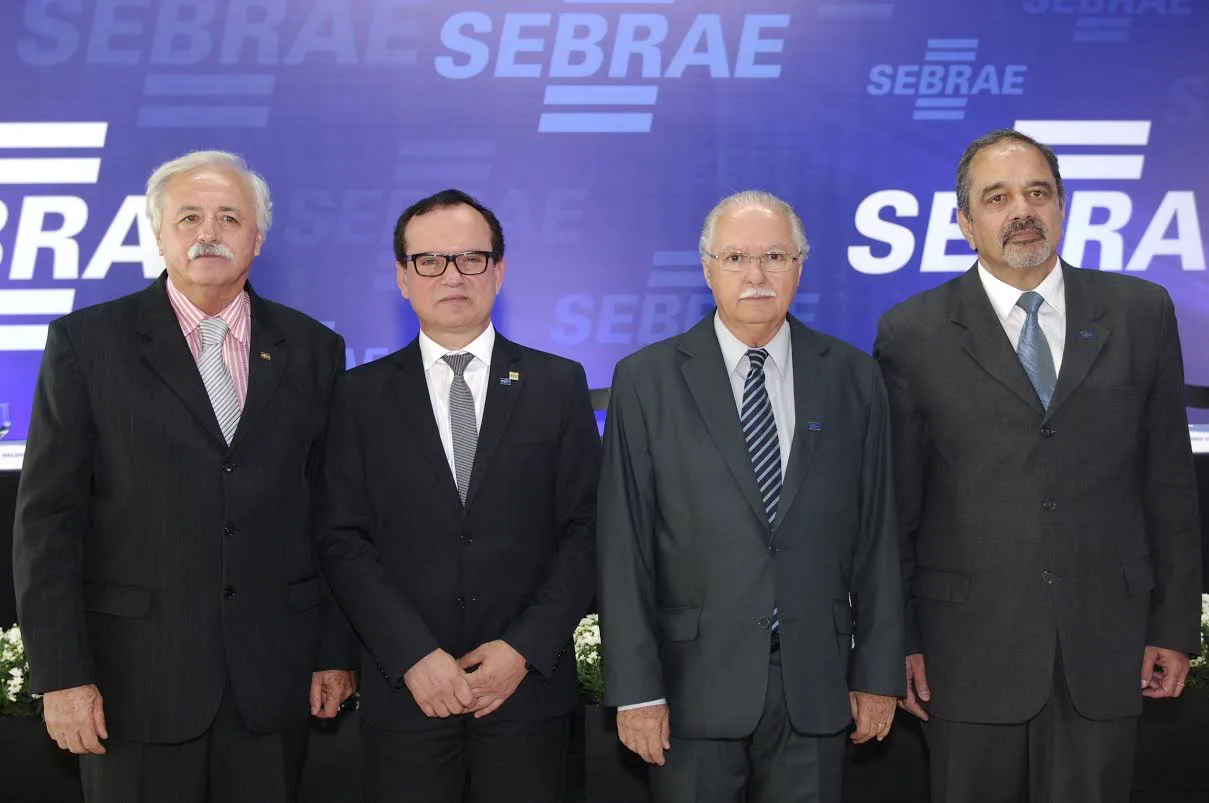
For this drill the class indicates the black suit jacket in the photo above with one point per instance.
(1023, 528)
(415, 571)
(151, 559)
(689, 569)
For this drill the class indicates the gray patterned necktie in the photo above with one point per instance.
(462, 421)
(1033, 349)
(217, 377)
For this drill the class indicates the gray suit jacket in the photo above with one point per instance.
(1023, 528)
(690, 570)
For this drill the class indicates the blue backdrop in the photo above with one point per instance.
(601, 133)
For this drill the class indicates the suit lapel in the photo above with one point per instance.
(1086, 335)
(983, 338)
(810, 404)
(416, 407)
(704, 372)
(502, 393)
(266, 364)
(164, 348)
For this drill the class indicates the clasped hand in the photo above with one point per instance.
(478, 682)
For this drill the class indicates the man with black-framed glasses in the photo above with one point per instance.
(457, 530)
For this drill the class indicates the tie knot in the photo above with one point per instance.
(757, 358)
(1030, 302)
(458, 362)
(213, 331)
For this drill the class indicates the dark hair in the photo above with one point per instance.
(987, 140)
(443, 200)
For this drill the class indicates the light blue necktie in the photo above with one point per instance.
(763, 446)
(1033, 349)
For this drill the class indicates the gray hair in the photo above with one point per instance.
(994, 138)
(197, 159)
(761, 198)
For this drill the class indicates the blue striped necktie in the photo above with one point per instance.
(763, 446)
(1033, 349)
(462, 424)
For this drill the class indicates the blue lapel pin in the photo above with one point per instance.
(1086, 334)
(814, 426)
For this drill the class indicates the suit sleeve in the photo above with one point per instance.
(542, 632)
(908, 438)
(877, 659)
(625, 536)
(1170, 500)
(52, 520)
(386, 621)
(338, 646)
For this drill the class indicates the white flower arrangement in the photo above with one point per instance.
(16, 700)
(587, 658)
(1198, 675)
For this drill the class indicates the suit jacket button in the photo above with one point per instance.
(764, 622)
(461, 601)
(228, 592)
(228, 467)
(229, 529)
(1047, 431)
(1047, 577)
(1049, 505)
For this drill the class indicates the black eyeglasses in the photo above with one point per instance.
(468, 263)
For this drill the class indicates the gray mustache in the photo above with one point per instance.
(1017, 226)
(210, 250)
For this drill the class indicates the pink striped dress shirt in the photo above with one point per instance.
(238, 315)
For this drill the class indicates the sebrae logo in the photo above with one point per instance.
(602, 72)
(1091, 153)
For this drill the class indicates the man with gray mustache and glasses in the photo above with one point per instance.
(166, 575)
(749, 590)
(1047, 505)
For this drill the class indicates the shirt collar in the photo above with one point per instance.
(1003, 296)
(734, 349)
(237, 315)
(481, 347)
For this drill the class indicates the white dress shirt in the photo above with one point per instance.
(1051, 314)
(778, 379)
(439, 376)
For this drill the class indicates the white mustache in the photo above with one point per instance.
(758, 292)
(210, 250)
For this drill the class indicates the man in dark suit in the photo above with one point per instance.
(746, 535)
(165, 568)
(1050, 539)
(458, 530)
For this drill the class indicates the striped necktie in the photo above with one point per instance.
(217, 377)
(462, 423)
(763, 446)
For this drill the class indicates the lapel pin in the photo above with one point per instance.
(814, 426)
(513, 376)
(1086, 334)
(264, 355)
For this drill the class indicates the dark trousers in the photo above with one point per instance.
(1058, 756)
(464, 760)
(226, 764)
(775, 764)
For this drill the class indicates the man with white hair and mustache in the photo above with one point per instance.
(1048, 511)
(751, 612)
(167, 584)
